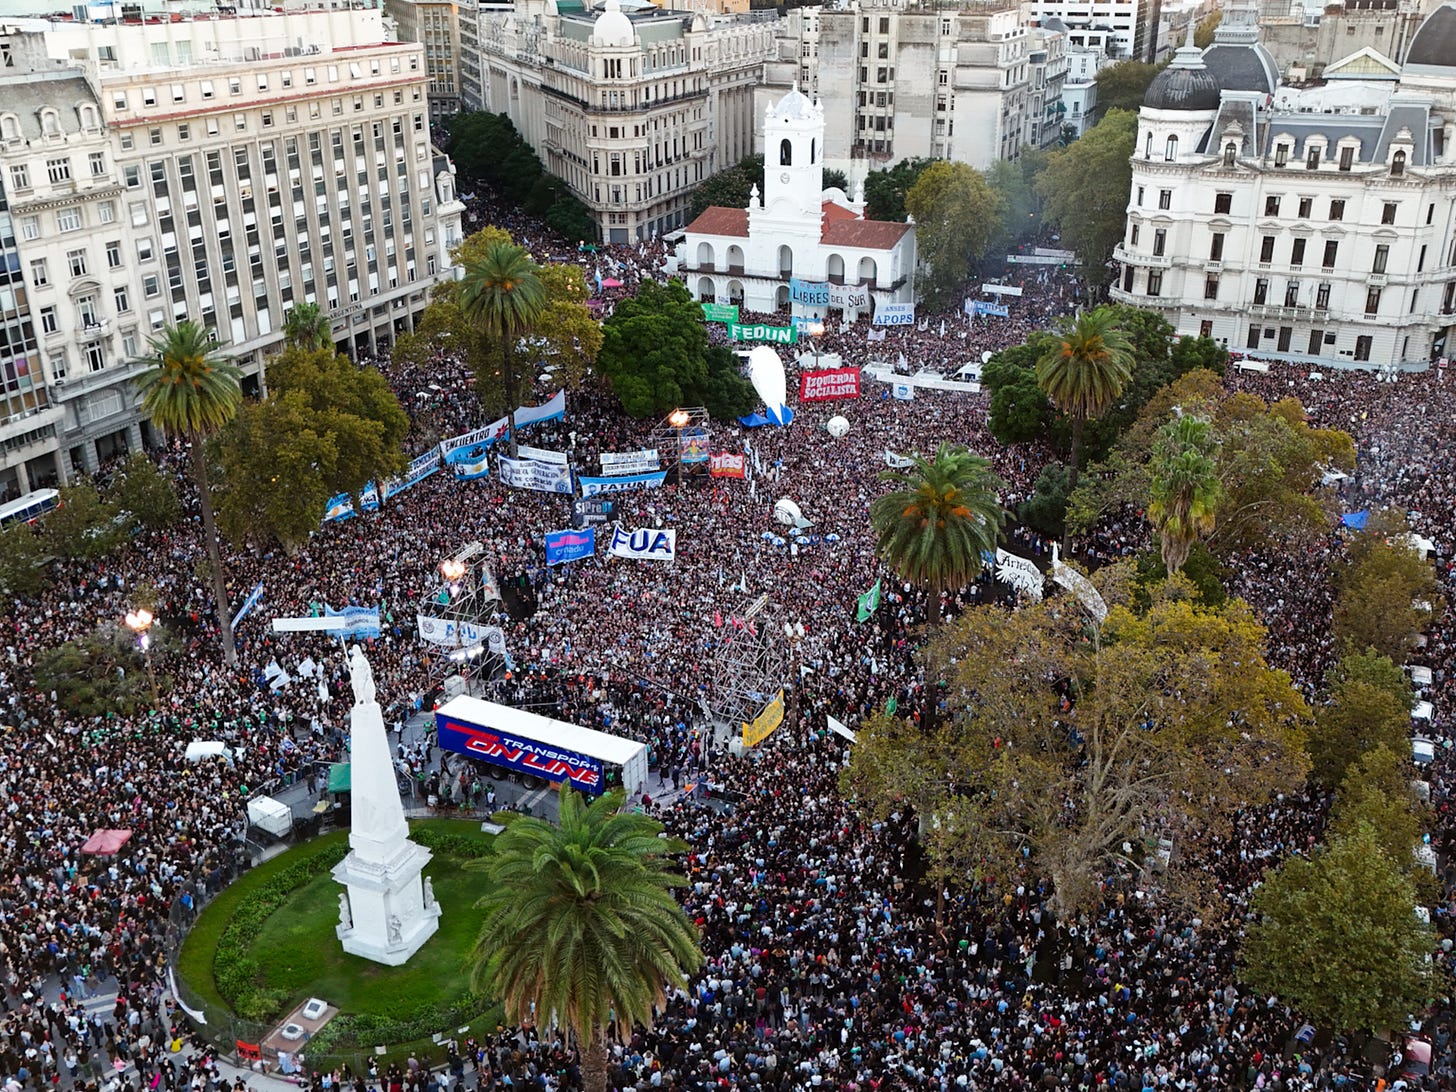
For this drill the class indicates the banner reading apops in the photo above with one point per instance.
(764, 724)
(725, 464)
(542, 477)
(895, 314)
(564, 546)
(780, 335)
(829, 384)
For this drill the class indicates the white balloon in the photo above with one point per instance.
(838, 426)
(787, 512)
(766, 373)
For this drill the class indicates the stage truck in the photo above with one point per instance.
(533, 747)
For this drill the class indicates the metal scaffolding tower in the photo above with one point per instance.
(750, 662)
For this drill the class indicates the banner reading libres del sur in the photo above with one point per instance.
(779, 335)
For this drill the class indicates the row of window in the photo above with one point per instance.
(262, 81)
(1262, 295)
(58, 171)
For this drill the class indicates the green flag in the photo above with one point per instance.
(892, 705)
(869, 602)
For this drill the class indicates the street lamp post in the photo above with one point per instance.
(816, 331)
(139, 621)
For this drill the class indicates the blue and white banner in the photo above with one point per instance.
(630, 462)
(644, 545)
(419, 469)
(455, 449)
(590, 487)
(339, 506)
(564, 546)
(812, 293)
(806, 324)
(474, 468)
(904, 391)
(846, 296)
(541, 455)
(998, 310)
(353, 621)
(248, 604)
(549, 411)
(453, 633)
(542, 477)
(894, 314)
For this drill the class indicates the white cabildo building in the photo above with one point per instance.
(1308, 224)
(797, 230)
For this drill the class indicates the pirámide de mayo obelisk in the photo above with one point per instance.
(387, 913)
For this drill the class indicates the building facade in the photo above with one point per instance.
(1305, 38)
(215, 170)
(796, 229)
(1289, 223)
(1129, 24)
(632, 111)
(1045, 107)
(902, 81)
(435, 24)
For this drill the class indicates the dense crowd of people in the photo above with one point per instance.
(827, 965)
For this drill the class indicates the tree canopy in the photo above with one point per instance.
(1387, 594)
(144, 491)
(956, 213)
(1123, 86)
(885, 190)
(85, 526)
(1366, 705)
(1337, 938)
(729, 188)
(1070, 748)
(656, 352)
(1085, 190)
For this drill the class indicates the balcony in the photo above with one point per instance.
(1212, 266)
(96, 328)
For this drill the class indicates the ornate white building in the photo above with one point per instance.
(1311, 225)
(797, 230)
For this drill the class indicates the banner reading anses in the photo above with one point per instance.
(829, 384)
(764, 724)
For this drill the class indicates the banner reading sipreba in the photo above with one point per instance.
(779, 335)
(829, 384)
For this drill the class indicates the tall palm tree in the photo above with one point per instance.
(1185, 488)
(307, 327)
(581, 926)
(503, 295)
(942, 515)
(192, 390)
(1083, 373)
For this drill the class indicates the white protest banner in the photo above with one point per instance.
(897, 462)
(541, 455)
(451, 633)
(497, 430)
(590, 487)
(548, 411)
(1020, 573)
(629, 462)
(644, 545)
(542, 477)
(904, 391)
(1078, 584)
(894, 314)
(846, 296)
(1001, 289)
(838, 727)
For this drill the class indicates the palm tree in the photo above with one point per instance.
(940, 519)
(581, 926)
(307, 327)
(502, 294)
(1083, 373)
(1185, 488)
(192, 390)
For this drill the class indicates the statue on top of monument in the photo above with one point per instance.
(361, 676)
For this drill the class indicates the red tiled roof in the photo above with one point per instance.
(716, 220)
(864, 234)
(834, 213)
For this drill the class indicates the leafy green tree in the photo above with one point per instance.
(836, 180)
(104, 672)
(1013, 185)
(939, 517)
(1020, 411)
(1176, 725)
(1082, 372)
(22, 563)
(503, 295)
(1367, 706)
(278, 472)
(1123, 86)
(1337, 938)
(1045, 511)
(955, 214)
(729, 188)
(85, 526)
(1376, 792)
(580, 924)
(148, 494)
(1387, 593)
(1201, 569)
(1084, 189)
(885, 191)
(1203, 33)
(1185, 489)
(307, 327)
(655, 351)
(568, 216)
(191, 390)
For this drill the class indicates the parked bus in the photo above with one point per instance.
(29, 508)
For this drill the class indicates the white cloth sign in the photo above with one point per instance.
(1078, 584)
(897, 462)
(894, 314)
(644, 545)
(629, 462)
(451, 633)
(541, 455)
(542, 477)
(904, 391)
(1019, 572)
(846, 296)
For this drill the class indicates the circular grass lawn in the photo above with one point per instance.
(298, 953)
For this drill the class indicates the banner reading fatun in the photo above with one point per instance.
(779, 335)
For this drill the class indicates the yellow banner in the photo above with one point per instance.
(764, 724)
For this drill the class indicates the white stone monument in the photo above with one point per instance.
(387, 913)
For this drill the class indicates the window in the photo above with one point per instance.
(59, 170)
(118, 100)
(1230, 151)
(49, 322)
(1133, 238)
(1322, 297)
(68, 219)
(86, 305)
(207, 89)
(20, 177)
(1140, 191)
(1387, 214)
(1291, 294)
(1170, 150)
(144, 250)
(1223, 203)
(123, 301)
(155, 137)
(149, 96)
(98, 164)
(1397, 164)
(30, 227)
(1271, 206)
(1253, 342)
(1362, 343)
(1165, 199)
(1210, 287)
(95, 357)
(1281, 155)
(113, 254)
(1312, 159)
(1155, 282)
(1331, 250)
(1347, 157)
(1266, 249)
(76, 262)
(235, 85)
(1215, 247)
(1160, 242)
(1261, 290)
(1296, 253)
(106, 211)
(1382, 255)
(39, 275)
(151, 286)
(1372, 301)
(1337, 210)
(184, 131)
(1306, 207)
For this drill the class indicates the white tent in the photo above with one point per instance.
(1422, 710)
(1421, 676)
(270, 815)
(199, 749)
(1423, 751)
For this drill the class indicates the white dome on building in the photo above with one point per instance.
(796, 105)
(612, 28)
